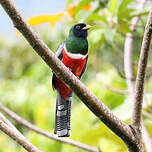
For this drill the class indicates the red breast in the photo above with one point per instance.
(76, 66)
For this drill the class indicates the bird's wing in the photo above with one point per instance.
(84, 68)
(59, 55)
(59, 50)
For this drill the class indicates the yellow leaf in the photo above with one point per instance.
(52, 19)
(45, 19)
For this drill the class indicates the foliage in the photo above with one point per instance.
(26, 80)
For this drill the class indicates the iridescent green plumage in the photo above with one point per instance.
(77, 42)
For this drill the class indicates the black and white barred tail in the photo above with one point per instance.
(63, 114)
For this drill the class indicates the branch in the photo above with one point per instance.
(139, 88)
(114, 90)
(12, 132)
(124, 77)
(88, 98)
(28, 125)
(147, 114)
(128, 72)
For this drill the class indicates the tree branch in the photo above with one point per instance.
(12, 132)
(114, 90)
(139, 87)
(88, 98)
(30, 126)
(128, 70)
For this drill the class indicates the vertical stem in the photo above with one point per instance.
(139, 87)
(129, 75)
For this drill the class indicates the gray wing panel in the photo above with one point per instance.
(59, 55)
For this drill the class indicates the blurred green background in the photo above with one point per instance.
(25, 80)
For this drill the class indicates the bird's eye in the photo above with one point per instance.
(78, 27)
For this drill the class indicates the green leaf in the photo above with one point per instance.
(123, 27)
(124, 4)
(123, 10)
(96, 17)
(125, 14)
(113, 6)
(139, 14)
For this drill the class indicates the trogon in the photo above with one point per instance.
(73, 52)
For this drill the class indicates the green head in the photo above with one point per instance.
(77, 40)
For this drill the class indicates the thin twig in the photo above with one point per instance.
(12, 132)
(34, 128)
(136, 119)
(147, 114)
(118, 91)
(88, 98)
(124, 77)
(139, 87)
(128, 68)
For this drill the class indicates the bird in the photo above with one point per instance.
(73, 52)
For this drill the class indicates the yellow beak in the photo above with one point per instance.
(87, 27)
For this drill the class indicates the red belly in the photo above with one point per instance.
(76, 67)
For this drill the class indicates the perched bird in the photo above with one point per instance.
(73, 52)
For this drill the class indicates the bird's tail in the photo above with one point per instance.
(63, 114)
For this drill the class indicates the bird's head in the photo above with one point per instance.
(80, 30)
(77, 41)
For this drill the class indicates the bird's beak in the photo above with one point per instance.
(87, 27)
